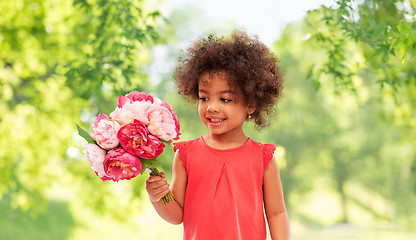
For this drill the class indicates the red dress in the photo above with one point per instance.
(224, 194)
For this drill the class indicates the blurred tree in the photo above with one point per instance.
(384, 33)
(383, 29)
(60, 60)
(351, 138)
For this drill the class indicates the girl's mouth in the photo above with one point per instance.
(216, 121)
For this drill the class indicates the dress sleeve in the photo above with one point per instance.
(181, 146)
(268, 151)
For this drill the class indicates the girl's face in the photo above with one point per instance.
(221, 108)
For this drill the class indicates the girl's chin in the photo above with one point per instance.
(214, 127)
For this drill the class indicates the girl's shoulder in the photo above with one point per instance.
(266, 146)
(268, 150)
(182, 147)
(185, 143)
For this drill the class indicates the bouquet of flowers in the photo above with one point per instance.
(128, 141)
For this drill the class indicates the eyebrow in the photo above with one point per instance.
(222, 92)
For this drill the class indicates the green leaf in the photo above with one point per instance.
(85, 135)
(167, 143)
(150, 163)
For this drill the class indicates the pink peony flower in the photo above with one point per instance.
(120, 165)
(131, 111)
(95, 156)
(105, 132)
(135, 138)
(162, 122)
(157, 101)
(133, 97)
(175, 118)
(100, 117)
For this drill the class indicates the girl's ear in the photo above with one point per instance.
(250, 109)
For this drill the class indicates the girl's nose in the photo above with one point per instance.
(212, 107)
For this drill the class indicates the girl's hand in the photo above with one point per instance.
(157, 187)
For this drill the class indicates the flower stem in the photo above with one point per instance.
(169, 196)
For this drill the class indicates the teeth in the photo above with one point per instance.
(216, 120)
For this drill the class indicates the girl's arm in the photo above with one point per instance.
(274, 204)
(157, 188)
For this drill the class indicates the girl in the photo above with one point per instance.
(222, 179)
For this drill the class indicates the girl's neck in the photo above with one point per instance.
(224, 141)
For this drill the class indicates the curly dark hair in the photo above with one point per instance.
(248, 63)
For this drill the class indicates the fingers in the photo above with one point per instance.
(156, 187)
(152, 183)
(158, 196)
(154, 179)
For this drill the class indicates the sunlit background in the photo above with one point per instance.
(345, 127)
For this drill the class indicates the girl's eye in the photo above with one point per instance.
(225, 100)
(203, 99)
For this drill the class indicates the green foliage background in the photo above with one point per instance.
(345, 126)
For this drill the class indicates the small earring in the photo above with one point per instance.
(249, 115)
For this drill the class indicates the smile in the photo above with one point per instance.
(216, 120)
